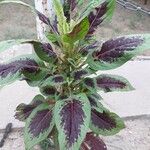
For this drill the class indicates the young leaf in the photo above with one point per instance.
(80, 74)
(110, 83)
(105, 123)
(72, 117)
(23, 111)
(43, 18)
(116, 52)
(44, 51)
(54, 80)
(62, 21)
(104, 11)
(90, 84)
(13, 70)
(38, 126)
(48, 90)
(92, 142)
(90, 6)
(78, 32)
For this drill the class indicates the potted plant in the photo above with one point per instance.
(69, 111)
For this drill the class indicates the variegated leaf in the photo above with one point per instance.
(13, 70)
(109, 83)
(72, 117)
(48, 90)
(23, 111)
(38, 125)
(80, 74)
(95, 101)
(105, 123)
(116, 52)
(93, 142)
(104, 11)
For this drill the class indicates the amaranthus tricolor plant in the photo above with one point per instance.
(68, 110)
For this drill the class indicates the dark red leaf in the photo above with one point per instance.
(102, 120)
(115, 48)
(72, 118)
(27, 64)
(40, 122)
(97, 18)
(92, 142)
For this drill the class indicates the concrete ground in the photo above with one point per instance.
(136, 136)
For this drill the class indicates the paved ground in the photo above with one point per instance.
(136, 136)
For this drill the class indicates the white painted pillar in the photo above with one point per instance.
(45, 7)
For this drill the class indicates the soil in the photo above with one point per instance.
(136, 136)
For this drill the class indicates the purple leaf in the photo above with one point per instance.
(58, 79)
(80, 74)
(110, 83)
(43, 18)
(89, 83)
(97, 18)
(115, 48)
(92, 142)
(72, 121)
(105, 123)
(40, 122)
(18, 66)
(116, 52)
(48, 90)
(23, 111)
(38, 125)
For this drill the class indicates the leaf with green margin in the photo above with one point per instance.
(110, 83)
(54, 80)
(115, 52)
(106, 123)
(90, 84)
(90, 6)
(44, 51)
(95, 101)
(63, 26)
(78, 32)
(72, 118)
(23, 111)
(38, 126)
(13, 70)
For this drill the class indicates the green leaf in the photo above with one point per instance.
(72, 118)
(4, 45)
(78, 32)
(62, 21)
(38, 126)
(106, 123)
(52, 37)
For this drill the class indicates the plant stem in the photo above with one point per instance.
(56, 143)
